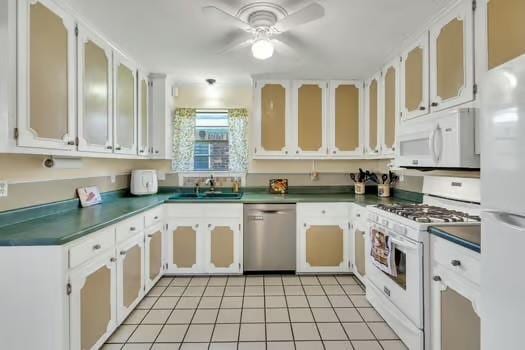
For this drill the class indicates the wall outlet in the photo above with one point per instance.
(3, 189)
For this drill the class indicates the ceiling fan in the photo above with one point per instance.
(262, 22)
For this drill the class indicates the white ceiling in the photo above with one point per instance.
(353, 40)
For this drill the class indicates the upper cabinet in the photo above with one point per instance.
(125, 125)
(415, 79)
(345, 121)
(143, 114)
(272, 117)
(451, 58)
(503, 24)
(373, 144)
(390, 107)
(46, 76)
(309, 103)
(95, 112)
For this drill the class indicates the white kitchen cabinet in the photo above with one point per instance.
(415, 79)
(223, 251)
(309, 117)
(454, 296)
(92, 308)
(46, 71)
(125, 105)
(130, 275)
(389, 115)
(358, 234)
(185, 245)
(143, 109)
(452, 58)
(272, 118)
(154, 255)
(95, 92)
(160, 117)
(322, 237)
(346, 118)
(373, 115)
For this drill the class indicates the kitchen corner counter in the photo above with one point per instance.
(62, 226)
(468, 236)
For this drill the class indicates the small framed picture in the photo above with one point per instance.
(279, 186)
(89, 196)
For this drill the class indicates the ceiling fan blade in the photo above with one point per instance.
(220, 15)
(308, 14)
(241, 42)
(284, 48)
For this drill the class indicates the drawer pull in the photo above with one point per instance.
(150, 235)
(123, 252)
(436, 279)
(456, 263)
(209, 225)
(113, 259)
(132, 228)
(197, 226)
(155, 217)
(97, 247)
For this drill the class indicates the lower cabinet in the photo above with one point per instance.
(204, 238)
(358, 235)
(153, 251)
(130, 275)
(93, 311)
(322, 239)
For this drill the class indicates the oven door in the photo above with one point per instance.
(405, 290)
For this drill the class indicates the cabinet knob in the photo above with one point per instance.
(157, 151)
(118, 148)
(109, 147)
(285, 152)
(71, 143)
(209, 225)
(113, 259)
(455, 263)
(141, 151)
(304, 224)
(155, 218)
(97, 247)
(123, 252)
(323, 211)
(297, 152)
(197, 226)
(150, 235)
(358, 215)
(132, 228)
(436, 279)
(435, 104)
(334, 152)
(422, 108)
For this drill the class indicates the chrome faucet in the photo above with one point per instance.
(211, 183)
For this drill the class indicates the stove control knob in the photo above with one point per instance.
(456, 263)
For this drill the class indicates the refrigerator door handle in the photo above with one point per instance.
(515, 222)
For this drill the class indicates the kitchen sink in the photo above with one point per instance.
(207, 195)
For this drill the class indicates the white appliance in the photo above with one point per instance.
(442, 140)
(144, 182)
(402, 299)
(503, 200)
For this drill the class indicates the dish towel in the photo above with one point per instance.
(382, 252)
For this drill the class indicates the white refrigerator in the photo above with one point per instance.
(503, 201)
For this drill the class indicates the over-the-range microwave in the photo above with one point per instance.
(441, 140)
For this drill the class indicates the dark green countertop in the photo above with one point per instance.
(468, 236)
(44, 226)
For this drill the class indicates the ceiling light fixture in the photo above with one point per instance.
(262, 47)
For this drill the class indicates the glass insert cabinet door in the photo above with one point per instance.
(415, 78)
(46, 77)
(310, 100)
(451, 59)
(346, 108)
(95, 95)
(125, 121)
(272, 115)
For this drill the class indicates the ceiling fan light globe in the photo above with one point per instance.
(262, 49)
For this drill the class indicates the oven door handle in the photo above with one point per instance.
(403, 244)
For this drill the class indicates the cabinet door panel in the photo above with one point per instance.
(143, 114)
(310, 117)
(46, 78)
(324, 246)
(155, 255)
(132, 275)
(373, 116)
(506, 31)
(273, 117)
(360, 253)
(345, 118)
(415, 79)
(390, 108)
(185, 246)
(460, 325)
(222, 246)
(450, 60)
(125, 135)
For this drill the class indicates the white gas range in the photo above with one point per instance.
(399, 277)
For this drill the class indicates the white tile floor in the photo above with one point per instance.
(255, 312)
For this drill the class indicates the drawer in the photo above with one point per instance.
(185, 210)
(205, 210)
(324, 209)
(153, 216)
(453, 257)
(90, 247)
(129, 227)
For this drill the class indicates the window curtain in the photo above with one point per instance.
(238, 123)
(183, 138)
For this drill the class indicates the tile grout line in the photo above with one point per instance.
(309, 306)
(288, 310)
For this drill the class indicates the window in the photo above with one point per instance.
(211, 149)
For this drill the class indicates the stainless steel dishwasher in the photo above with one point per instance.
(269, 237)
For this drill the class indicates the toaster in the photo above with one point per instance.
(144, 182)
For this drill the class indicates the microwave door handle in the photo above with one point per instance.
(438, 151)
(432, 145)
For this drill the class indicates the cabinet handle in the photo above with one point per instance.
(155, 218)
(304, 224)
(436, 279)
(455, 263)
(141, 151)
(97, 247)
(118, 148)
(112, 259)
(157, 151)
(358, 215)
(109, 147)
(132, 228)
(197, 226)
(123, 252)
(334, 152)
(209, 225)
(71, 143)
(422, 108)
(296, 152)
(323, 211)
(435, 104)
(285, 152)
(150, 235)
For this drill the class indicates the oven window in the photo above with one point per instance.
(400, 261)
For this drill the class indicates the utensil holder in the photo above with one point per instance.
(383, 190)
(359, 188)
